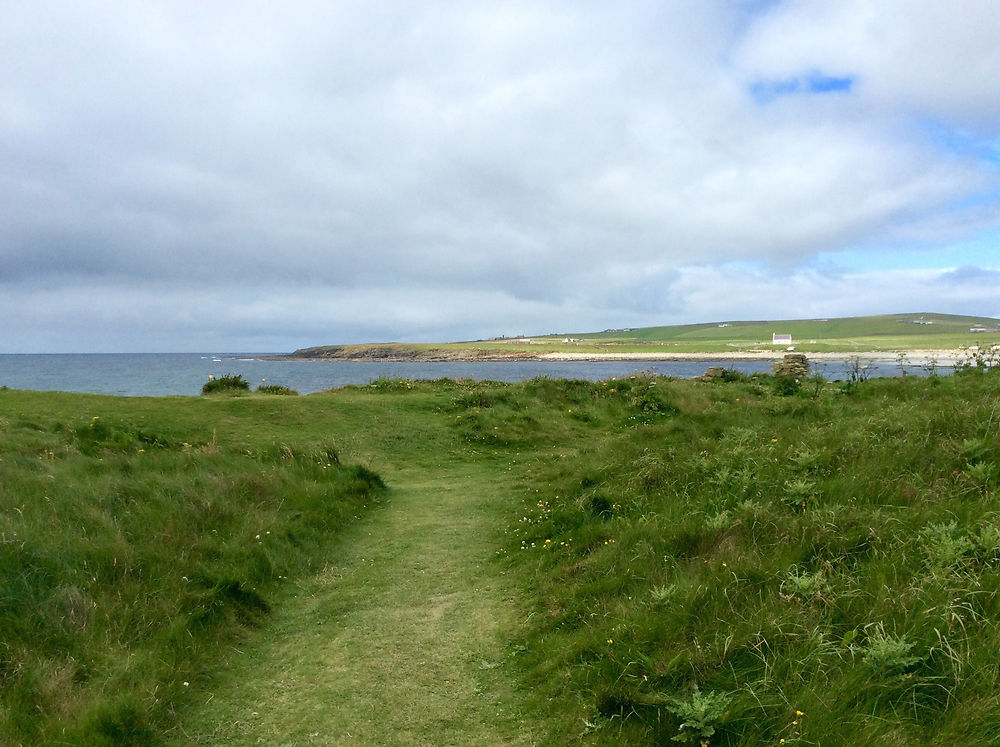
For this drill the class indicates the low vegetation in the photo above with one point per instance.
(134, 548)
(742, 567)
(226, 384)
(747, 560)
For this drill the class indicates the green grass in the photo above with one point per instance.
(818, 568)
(891, 333)
(135, 543)
(554, 562)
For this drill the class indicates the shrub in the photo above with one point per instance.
(278, 389)
(786, 386)
(227, 384)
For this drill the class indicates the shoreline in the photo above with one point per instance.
(912, 357)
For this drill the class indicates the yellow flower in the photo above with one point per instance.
(774, 440)
(610, 641)
(799, 713)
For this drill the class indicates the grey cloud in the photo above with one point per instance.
(972, 275)
(543, 163)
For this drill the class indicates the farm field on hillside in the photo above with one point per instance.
(942, 334)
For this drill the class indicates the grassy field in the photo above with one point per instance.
(754, 560)
(886, 334)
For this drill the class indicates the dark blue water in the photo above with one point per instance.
(159, 374)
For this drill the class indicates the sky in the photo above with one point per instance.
(263, 176)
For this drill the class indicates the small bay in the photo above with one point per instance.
(163, 374)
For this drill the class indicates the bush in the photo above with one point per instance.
(276, 389)
(227, 384)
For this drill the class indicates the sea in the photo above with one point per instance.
(183, 374)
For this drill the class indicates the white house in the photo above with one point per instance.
(777, 339)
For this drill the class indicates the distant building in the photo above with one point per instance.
(984, 329)
(777, 339)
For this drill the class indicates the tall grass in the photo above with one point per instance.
(133, 553)
(725, 562)
(751, 568)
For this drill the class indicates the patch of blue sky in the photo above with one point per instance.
(990, 197)
(981, 250)
(962, 142)
(807, 84)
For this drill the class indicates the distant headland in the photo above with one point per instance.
(919, 337)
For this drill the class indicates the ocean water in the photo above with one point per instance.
(161, 374)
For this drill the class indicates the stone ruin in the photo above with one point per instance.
(795, 365)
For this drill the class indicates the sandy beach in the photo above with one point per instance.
(913, 357)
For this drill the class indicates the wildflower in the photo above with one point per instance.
(570, 410)
(610, 640)
(185, 684)
(799, 713)
(774, 440)
(724, 565)
(96, 417)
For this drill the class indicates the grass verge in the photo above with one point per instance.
(134, 547)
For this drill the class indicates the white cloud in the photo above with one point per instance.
(458, 169)
(931, 59)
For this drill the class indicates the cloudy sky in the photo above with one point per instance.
(261, 176)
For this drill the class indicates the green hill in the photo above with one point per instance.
(888, 333)
(883, 332)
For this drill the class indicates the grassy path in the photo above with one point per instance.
(400, 640)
